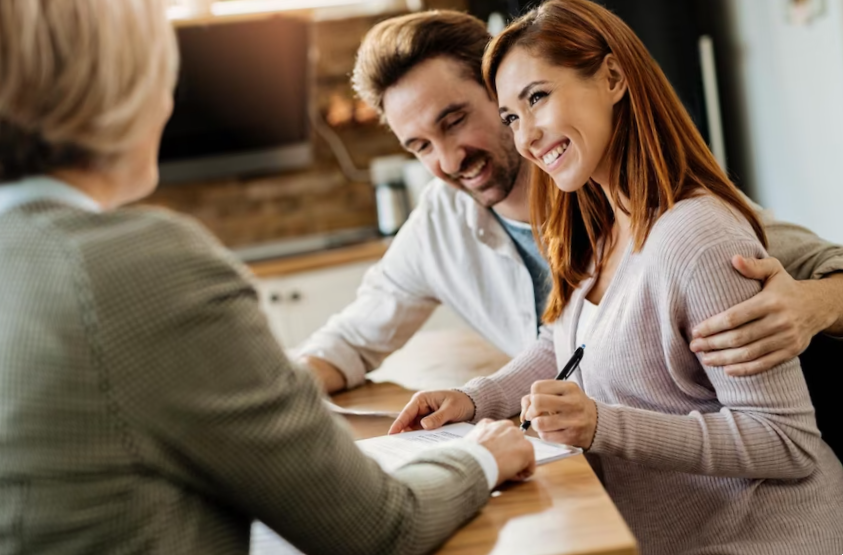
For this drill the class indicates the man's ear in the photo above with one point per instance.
(616, 78)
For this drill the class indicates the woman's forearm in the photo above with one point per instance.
(499, 396)
(735, 443)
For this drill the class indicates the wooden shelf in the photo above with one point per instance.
(370, 250)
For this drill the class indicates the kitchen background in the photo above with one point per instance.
(763, 79)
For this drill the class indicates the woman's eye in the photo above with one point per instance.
(508, 119)
(535, 97)
(422, 148)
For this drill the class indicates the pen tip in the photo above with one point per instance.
(582, 346)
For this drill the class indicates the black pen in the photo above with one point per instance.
(564, 374)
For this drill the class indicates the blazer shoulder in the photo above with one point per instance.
(160, 227)
(151, 248)
(154, 232)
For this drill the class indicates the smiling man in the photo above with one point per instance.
(468, 244)
(455, 132)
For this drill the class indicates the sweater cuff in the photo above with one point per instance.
(609, 437)
(488, 397)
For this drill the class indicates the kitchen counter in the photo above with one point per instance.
(372, 249)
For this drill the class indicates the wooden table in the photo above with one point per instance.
(562, 510)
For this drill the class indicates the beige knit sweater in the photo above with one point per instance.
(697, 462)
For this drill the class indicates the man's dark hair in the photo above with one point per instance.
(395, 46)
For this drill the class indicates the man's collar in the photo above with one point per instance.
(486, 228)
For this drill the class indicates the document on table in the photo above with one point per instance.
(393, 451)
(266, 542)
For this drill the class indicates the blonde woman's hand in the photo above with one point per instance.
(560, 412)
(513, 452)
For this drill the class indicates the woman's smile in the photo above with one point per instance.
(552, 158)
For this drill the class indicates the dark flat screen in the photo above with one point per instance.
(242, 87)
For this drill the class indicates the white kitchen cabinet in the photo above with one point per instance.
(299, 304)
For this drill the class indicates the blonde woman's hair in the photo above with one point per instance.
(76, 78)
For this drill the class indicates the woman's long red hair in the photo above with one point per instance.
(656, 155)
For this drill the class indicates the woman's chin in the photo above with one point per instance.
(567, 185)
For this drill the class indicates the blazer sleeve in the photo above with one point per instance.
(392, 303)
(207, 398)
(766, 426)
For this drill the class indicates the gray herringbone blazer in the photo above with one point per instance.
(146, 408)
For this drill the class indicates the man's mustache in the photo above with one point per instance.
(471, 159)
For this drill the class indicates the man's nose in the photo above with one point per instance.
(451, 159)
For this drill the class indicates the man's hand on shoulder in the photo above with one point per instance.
(328, 375)
(772, 327)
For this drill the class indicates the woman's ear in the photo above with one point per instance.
(616, 78)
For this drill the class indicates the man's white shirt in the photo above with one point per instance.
(451, 251)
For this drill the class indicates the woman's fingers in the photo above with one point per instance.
(405, 419)
(538, 405)
(554, 387)
(525, 406)
(409, 417)
(561, 429)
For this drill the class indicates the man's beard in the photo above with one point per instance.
(505, 171)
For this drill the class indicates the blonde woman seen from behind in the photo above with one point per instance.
(145, 407)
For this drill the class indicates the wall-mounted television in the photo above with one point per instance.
(241, 100)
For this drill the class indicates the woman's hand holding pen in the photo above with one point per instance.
(560, 412)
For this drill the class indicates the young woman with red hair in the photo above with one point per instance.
(639, 223)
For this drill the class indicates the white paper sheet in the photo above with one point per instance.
(267, 542)
(393, 451)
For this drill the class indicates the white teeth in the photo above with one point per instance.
(474, 170)
(551, 156)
